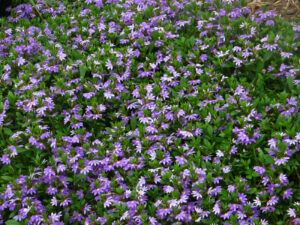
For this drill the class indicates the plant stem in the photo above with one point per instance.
(36, 9)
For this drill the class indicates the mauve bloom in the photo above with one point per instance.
(153, 221)
(216, 208)
(291, 212)
(5, 159)
(286, 54)
(35, 219)
(132, 205)
(231, 188)
(198, 131)
(281, 161)
(283, 179)
(296, 221)
(151, 129)
(61, 55)
(242, 197)
(270, 47)
(234, 207)
(287, 194)
(233, 150)
(48, 171)
(168, 189)
(185, 134)
(273, 201)
(66, 202)
(20, 61)
(108, 94)
(181, 216)
(85, 169)
(164, 126)
(260, 170)
(180, 160)
(270, 22)
(61, 168)
(54, 217)
(163, 212)
(236, 49)
(80, 194)
(52, 190)
(203, 57)
(109, 65)
(217, 180)
(88, 95)
(86, 208)
(268, 209)
(243, 138)
(226, 215)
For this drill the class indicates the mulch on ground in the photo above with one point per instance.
(287, 9)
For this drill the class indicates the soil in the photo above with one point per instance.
(3, 5)
(287, 9)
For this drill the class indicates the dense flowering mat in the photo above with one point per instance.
(148, 112)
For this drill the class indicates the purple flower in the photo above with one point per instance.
(273, 201)
(180, 160)
(281, 161)
(109, 65)
(236, 49)
(185, 134)
(66, 202)
(168, 189)
(54, 217)
(20, 61)
(48, 171)
(61, 55)
(108, 94)
(291, 212)
(35, 219)
(286, 54)
(270, 22)
(226, 215)
(52, 190)
(242, 197)
(5, 159)
(162, 213)
(287, 194)
(243, 138)
(151, 129)
(86, 208)
(198, 132)
(231, 188)
(296, 221)
(260, 170)
(54, 201)
(203, 57)
(283, 179)
(268, 209)
(216, 208)
(132, 205)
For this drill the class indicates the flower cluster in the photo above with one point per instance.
(148, 112)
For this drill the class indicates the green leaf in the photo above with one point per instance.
(6, 178)
(7, 131)
(12, 222)
(66, 218)
(11, 97)
(82, 70)
(133, 123)
(290, 82)
(210, 130)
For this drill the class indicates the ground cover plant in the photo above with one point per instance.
(148, 112)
